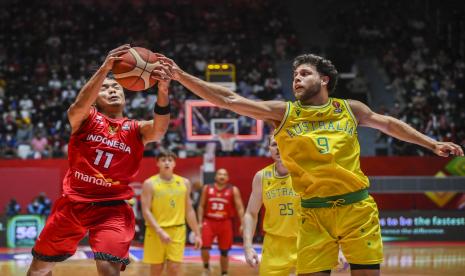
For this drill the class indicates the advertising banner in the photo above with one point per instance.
(23, 230)
(423, 225)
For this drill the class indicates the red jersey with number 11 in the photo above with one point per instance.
(104, 156)
(220, 203)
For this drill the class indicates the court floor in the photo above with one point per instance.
(420, 258)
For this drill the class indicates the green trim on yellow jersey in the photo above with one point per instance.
(299, 104)
(350, 112)
(275, 173)
(283, 121)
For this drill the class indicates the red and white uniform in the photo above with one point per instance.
(104, 157)
(219, 211)
(220, 203)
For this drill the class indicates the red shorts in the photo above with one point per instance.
(223, 229)
(110, 226)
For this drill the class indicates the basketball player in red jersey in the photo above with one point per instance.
(216, 210)
(105, 150)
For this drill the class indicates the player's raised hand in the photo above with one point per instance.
(251, 256)
(446, 149)
(170, 65)
(114, 55)
(164, 237)
(161, 72)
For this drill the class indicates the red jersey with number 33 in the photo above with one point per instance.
(220, 203)
(104, 156)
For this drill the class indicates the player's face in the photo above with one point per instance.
(111, 94)
(221, 176)
(166, 164)
(274, 150)
(307, 82)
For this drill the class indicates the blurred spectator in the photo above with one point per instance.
(358, 85)
(24, 132)
(35, 208)
(12, 208)
(40, 146)
(45, 202)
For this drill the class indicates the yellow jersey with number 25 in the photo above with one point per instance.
(319, 147)
(282, 204)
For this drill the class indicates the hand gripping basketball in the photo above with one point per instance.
(139, 69)
(115, 55)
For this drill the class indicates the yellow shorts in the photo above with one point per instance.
(279, 255)
(355, 228)
(157, 252)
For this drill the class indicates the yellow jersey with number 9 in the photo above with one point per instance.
(282, 204)
(169, 200)
(319, 147)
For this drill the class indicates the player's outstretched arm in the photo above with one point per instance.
(400, 130)
(154, 130)
(250, 220)
(261, 110)
(191, 216)
(80, 109)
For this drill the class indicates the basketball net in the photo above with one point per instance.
(227, 141)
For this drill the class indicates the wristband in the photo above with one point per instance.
(161, 110)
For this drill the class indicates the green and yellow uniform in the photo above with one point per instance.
(319, 147)
(168, 208)
(280, 223)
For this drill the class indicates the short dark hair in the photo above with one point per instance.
(324, 67)
(166, 154)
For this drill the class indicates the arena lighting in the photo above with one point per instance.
(218, 66)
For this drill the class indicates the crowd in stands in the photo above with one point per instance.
(40, 205)
(421, 47)
(54, 46)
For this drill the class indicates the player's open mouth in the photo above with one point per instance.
(113, 98)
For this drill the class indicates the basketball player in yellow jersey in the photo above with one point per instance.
(166, 205)
(317, 139)
(272, 187)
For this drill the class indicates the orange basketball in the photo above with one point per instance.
(133, 71)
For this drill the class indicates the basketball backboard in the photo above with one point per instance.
(205, 122)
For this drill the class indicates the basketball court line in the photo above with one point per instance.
(191, 255)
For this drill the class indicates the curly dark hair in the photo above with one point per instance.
(324, 67)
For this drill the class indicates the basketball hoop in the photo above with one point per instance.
(227, 141)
